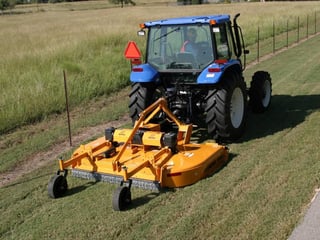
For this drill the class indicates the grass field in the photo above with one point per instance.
(36, 47)
(260, 194)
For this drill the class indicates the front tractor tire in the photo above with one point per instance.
(260, 92)
(226, 108)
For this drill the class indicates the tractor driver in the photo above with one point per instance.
(190, 44)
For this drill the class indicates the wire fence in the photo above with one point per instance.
(283, 34)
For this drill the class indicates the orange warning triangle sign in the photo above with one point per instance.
(132, 51)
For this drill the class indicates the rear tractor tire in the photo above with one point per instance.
(260, 92)
(142, 95)
(226, 108)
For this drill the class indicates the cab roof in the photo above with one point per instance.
(189, 20)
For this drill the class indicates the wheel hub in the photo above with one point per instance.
(266, 93)
(236, 108)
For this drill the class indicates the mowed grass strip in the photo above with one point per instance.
(261, 194)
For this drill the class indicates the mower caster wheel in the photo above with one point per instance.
(57, 186)
(121, 198)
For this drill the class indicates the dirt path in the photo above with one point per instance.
(43, 158)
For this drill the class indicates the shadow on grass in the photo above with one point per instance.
(285, 112)
(140, 201)
(80, 188)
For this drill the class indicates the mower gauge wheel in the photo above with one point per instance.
(121, 198)
(57, 186)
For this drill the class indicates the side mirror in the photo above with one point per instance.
(141, 33)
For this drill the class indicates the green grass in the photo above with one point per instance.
(260, 194)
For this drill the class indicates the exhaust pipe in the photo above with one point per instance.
(238, 51)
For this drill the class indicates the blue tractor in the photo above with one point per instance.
(197, 64)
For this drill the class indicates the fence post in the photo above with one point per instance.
(67, 106)
(258, 43)
(287, 33)
(315, 22)
(274, 38)
(298, 29)
(307, 25)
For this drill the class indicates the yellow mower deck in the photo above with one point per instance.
(191, 163)
(143, 155)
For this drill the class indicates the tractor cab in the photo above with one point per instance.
(191, 43)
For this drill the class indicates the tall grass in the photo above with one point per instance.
(33, 88)
(31, 71)
(89, 45)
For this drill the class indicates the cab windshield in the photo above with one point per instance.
(180, 47)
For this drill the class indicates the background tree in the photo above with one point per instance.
(122, 2)
(7, 4)
(190, 2)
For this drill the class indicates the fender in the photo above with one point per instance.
(143, 73)
(213, 73)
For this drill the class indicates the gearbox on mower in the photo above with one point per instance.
(197, 64)
(151, 156)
